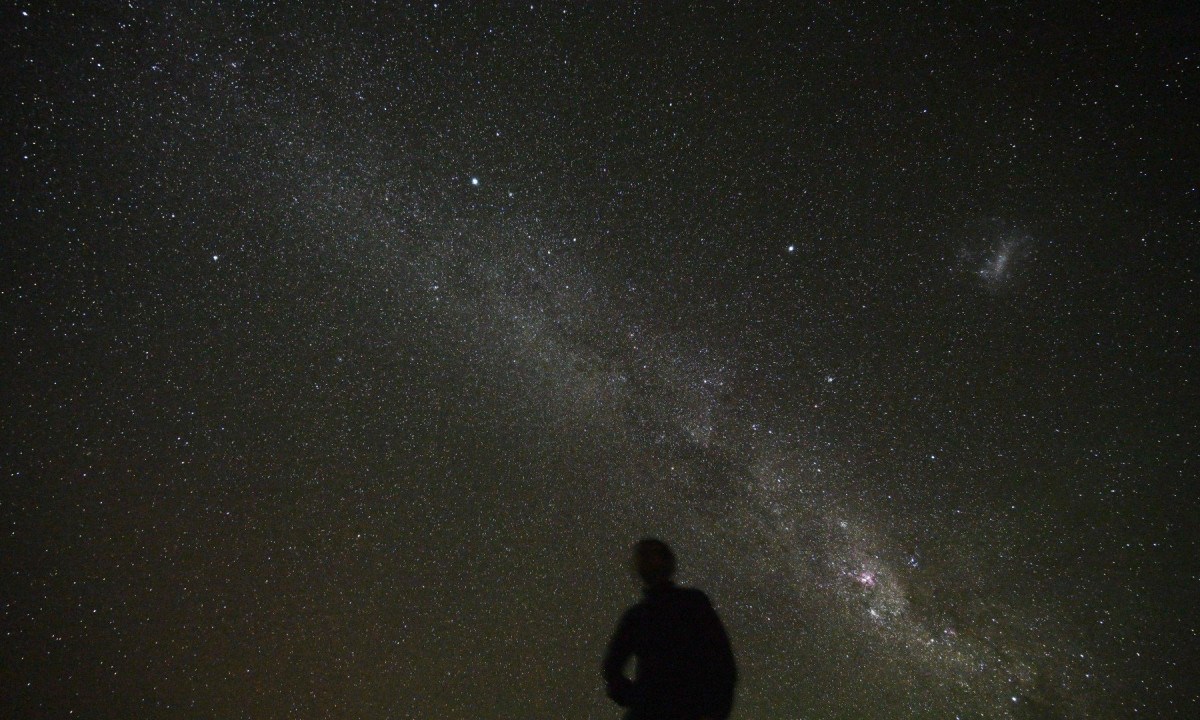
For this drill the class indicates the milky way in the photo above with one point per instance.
(348, 354)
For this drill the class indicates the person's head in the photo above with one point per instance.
(653, 561)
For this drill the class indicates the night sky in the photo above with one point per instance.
(347, 352)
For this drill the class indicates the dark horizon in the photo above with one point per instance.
(348, 352)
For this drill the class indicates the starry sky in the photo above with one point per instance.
(347, 352)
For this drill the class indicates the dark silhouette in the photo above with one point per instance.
(685, 668)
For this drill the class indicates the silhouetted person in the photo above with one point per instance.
(685, 668)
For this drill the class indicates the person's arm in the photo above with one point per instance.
(722, 671)
(620, 648)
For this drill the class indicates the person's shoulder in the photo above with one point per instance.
(694, 595)
(635, 611)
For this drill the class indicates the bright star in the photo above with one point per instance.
(475, 181)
